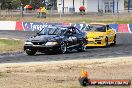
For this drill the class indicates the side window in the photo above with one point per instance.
(71, 31)
(105, 28)
(87, 28)
(77, 31)
(102, 29)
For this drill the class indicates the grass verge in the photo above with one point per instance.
(10, 45)
(122, 19)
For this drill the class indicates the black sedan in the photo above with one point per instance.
(56, 39)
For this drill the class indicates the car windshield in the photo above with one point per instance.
(87, 28)
(52, 31)
(83, 27)
(99, 28)
(79, 26)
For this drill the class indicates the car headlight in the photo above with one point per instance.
(28, 43)
(51, 43)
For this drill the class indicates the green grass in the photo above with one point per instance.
(10, 45)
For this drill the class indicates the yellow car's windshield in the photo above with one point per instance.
(98, 28)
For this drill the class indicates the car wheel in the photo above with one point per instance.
(82, 48)
(106, 42)
(30, 52)
(63, 48)
(114, 41)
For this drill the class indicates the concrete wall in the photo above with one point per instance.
(37, 26)
(7, 25)
(92, 6)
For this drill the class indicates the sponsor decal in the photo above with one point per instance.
(34, 26)
(37, 26)
(86, 81)
(19, 26)
(123, 28)
(130, 27)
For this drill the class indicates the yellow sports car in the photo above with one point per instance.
(101, 35)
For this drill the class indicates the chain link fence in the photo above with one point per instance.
(55, 13)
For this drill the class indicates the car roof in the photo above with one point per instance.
(101, 24)
(60, 26)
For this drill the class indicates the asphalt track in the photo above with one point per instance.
(122, 49)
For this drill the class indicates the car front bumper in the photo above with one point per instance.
(96, 42)
(42, 48)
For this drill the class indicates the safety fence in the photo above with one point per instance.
(55, 13)
(37, 26)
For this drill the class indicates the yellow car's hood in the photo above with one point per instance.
(95, 34)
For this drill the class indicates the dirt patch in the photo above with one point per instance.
(63, 74)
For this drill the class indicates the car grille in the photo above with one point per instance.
(96, 38)
(38, 43)
(90, 42)
(98, 41)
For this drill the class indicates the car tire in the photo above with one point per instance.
(63, 48)
(30, 52)
(114, 41)
(106, 42)
(82, 48)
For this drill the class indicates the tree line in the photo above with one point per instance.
(14, 4)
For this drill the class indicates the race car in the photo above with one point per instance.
(56, 39)
(100, 34)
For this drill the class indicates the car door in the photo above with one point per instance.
(78, 36)
(71, 38)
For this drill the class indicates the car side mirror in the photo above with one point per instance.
(107, 26)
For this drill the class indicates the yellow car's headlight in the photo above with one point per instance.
(51, 43)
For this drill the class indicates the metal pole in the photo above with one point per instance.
(60, 10)
(117, 6)
(73, 6)
(83, 2)
(129, 5)
(63, 1)
(118, 9)
(30, 2)
(21, 9)
(98, 5)
(0, 9)
(113, 6)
